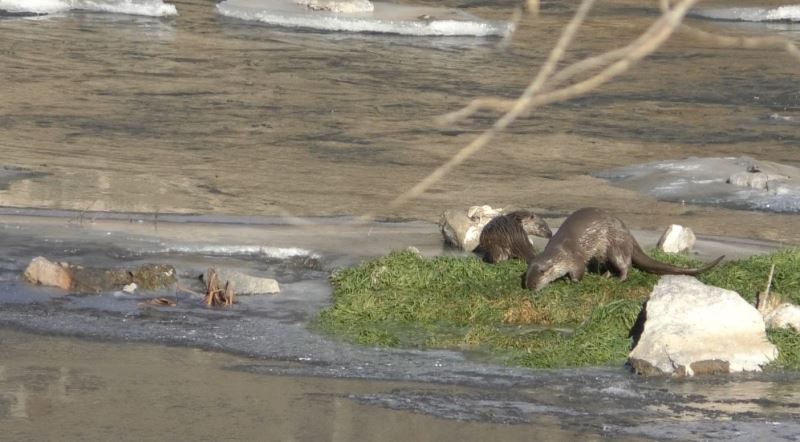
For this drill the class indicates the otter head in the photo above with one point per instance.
(531, 223)
(542, 271)
(532, 278)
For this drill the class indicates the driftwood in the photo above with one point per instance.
(216, 295)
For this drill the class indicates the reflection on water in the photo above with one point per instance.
(61, 389)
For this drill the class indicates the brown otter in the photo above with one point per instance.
(506, 236)
(588, 234)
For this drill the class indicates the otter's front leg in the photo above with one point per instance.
(576, 273)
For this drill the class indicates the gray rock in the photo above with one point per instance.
(244, 284)
(762, 175)
(693, 328)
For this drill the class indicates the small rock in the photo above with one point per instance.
(130, 288)
(777, 314)
(692, 328)
(784, 316)
(244, 284)
(414, 250)
(676, 239)
(41, 271)
(154, 276)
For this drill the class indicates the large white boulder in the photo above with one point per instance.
(693, 328)
(676, 239)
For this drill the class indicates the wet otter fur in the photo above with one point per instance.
(588, 234)
(506, 236)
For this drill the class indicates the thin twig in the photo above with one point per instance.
(744, 42)
(769, 280)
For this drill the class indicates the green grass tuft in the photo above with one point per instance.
(405, 300)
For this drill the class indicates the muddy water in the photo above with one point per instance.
(204, 114)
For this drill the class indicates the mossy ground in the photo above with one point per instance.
(404, 300)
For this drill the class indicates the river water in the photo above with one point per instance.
(250, 125)
(202, 113)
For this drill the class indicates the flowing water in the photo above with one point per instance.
(181, 109)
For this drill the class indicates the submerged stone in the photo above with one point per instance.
(96, 280)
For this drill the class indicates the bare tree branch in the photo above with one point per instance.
(744, 42)
(644, 45)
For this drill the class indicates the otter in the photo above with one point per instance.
(506, 236)
(588, 234)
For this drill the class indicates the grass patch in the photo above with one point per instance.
(404, 300)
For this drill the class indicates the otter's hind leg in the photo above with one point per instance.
(621, 262)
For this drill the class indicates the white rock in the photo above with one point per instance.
(694, 328)
(762, 175)
(676, 239)
(483, 214)
(244, 284)
(784, 316)
(463, 229)
(754, 180)
(41, 271)
(130, 288)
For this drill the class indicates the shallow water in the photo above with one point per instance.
(63, 389)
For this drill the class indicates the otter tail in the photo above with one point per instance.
(648, 264)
